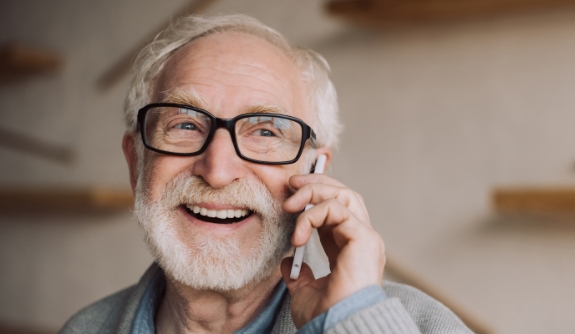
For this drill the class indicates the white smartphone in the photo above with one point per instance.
(299, 251)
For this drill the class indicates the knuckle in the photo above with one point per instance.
(307, 187)
(334, 202)
(344, 195)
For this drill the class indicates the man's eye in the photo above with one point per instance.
(186, 126)
(264, 133)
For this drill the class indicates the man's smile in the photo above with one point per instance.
(224, 216)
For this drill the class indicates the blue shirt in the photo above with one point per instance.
(144, 320)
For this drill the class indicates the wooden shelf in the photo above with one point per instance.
(35, 146)
(535, 200)
(17, 61)
(381, 13)
(66, 199)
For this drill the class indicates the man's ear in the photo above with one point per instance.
(129, 147)
(325, 151)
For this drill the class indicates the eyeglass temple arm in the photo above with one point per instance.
(312, 138)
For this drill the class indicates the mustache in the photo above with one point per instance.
(248, 193)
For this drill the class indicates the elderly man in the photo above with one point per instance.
(225, 121)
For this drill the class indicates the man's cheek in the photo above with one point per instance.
(158, 173)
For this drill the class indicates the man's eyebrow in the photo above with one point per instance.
(190, 98)
(179, 96)
(266, 109)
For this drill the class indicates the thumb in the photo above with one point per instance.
(305, 275)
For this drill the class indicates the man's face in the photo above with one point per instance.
(226, 74)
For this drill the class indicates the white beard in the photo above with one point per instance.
(210, 262)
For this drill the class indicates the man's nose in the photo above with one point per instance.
(220, 165)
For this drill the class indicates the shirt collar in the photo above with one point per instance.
(145, 314)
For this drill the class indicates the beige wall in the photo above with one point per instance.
(449, 113)
(435, 117)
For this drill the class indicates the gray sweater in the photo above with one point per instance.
(406, 310)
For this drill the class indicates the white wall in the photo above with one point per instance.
(435, 118)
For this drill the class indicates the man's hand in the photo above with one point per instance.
(354, 249)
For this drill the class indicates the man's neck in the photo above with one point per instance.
(187, 310)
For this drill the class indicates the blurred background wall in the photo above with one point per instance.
(437, 116)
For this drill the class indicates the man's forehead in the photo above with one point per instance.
(223, 50)
(222, 62)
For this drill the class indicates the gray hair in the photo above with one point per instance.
(315, 69)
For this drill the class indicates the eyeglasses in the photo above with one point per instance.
(264, 138)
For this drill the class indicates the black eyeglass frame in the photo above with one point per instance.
(229, 124)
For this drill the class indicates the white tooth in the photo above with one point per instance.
(196, 209)
(203, 211)
(238, 213)
(222, 214)
(211, 213)
(244, 212)
(230, 213)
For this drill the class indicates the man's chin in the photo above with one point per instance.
(217, 258)
(225, 272)
(231, 286)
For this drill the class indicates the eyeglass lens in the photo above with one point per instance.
(265, 138)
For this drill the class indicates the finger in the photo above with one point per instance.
(329, 213)
(305, 274)
(298, 181)
(318, 193)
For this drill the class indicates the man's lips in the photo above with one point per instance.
(226, 216)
